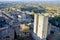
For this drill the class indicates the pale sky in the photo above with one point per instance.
(29, 0)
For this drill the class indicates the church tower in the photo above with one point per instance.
(40, 27)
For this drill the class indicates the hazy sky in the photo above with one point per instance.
(29, 0)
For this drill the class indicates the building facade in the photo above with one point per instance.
(40, 27)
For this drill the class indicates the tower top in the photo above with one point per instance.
(41, 15)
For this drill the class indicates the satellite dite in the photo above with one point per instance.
(40, 27)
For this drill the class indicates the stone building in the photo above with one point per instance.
(6, 32)
(40, 27)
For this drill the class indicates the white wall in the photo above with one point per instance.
(40, 26)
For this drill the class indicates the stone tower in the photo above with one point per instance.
(40, 27)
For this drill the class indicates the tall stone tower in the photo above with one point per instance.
(40, 27)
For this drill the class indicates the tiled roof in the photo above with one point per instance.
(4, 28)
